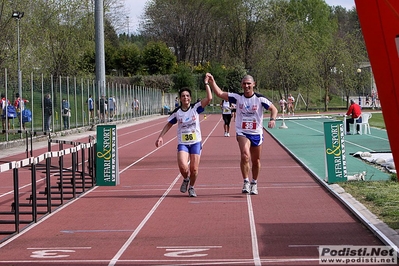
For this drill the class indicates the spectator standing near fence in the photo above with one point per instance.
(249, 126)
(189, 146)
(19, 105)
(66, 113)
(377, 100)
(373, 100)
(90, 106)
(47, 112)
(102, 102)
(3, 105)
(135, 106)
(111, 107)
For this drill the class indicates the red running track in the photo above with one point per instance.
(147, 221)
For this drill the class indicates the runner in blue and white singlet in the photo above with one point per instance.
(249, 119)
(249, 126)
(189, 146)
(188, 124)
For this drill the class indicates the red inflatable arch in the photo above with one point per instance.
(379, 20)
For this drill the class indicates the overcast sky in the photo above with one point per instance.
(136, 9)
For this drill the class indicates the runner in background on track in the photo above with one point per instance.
(233, 112)
(282, 103)
(226, 115)
(189, 147)
(249, 126)
(290, 104)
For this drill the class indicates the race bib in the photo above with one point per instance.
(248, 125)
(188, 137)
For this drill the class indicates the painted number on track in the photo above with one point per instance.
(51, 253)
(187, 252)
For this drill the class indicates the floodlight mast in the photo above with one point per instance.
(18, 15)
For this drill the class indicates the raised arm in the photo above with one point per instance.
(208, 98)
(212, 83)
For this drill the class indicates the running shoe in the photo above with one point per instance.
(191, 192)
(246, 187)
(254, 189)
(184, 186)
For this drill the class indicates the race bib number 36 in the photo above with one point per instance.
(248, 125)
(187, 137)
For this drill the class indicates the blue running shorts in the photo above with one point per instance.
(256, 140)
(190, 148)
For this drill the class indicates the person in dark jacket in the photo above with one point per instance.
(48, 112)
(65, 113)
(102, 108)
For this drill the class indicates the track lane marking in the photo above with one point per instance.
(254, 238)
(115, 259)
(346, 140)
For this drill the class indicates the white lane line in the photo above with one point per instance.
(217, 201)
(115, 259)
(346, 140)
(140, 128)
(254, 238)
(190, 247)
(93, 231)
(50, 248)
(142, 158)
(137, 140)
(141, 225)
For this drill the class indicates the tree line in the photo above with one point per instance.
(302, 46)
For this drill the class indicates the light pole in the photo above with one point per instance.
(359, 71)
(18, 15)
(128, 27)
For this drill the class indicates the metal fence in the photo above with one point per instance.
(76, 91)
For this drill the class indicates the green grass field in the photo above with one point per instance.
(380, 197)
